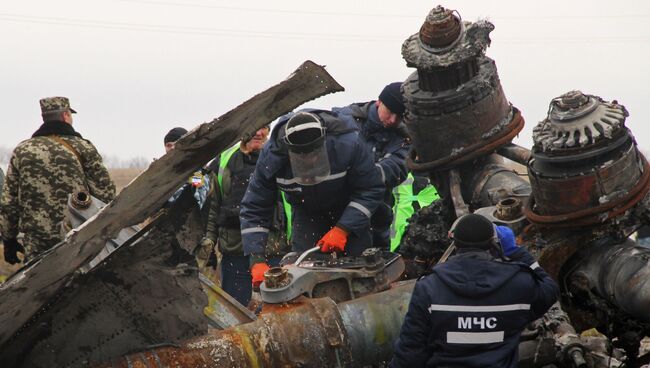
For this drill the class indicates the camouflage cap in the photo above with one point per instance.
(55, 104)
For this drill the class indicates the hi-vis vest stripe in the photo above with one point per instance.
(474, 337)
(223, 162)
(477, 308)
(403, 208)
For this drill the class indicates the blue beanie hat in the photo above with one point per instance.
(391, 96)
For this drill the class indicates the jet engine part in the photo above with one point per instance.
(456, 108)
(340, 279)
(507, 212)
(585, 166)
(619, 272)
(316, 333)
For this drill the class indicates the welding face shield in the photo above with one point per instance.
(305, 139)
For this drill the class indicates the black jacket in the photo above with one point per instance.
(389, 146)
(223, 225)
(471, 310)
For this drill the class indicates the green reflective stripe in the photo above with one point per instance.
(427, 196)
(402, 211)
(403, 208)
(223, 162)
(287, 212)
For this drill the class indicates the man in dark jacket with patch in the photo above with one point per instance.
(471, 310)
(234, 168)
(328, 177)
(385, 135)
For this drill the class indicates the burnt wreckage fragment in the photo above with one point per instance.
(589, 193)
(458, 116)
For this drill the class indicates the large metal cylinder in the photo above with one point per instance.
(449, 124)
(456, 110)
(618, 272)
(317, 333)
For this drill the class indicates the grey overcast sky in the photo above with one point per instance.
(133, 69)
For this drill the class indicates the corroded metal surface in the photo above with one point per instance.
(578, 120)
(276, 277)
(456, 111)
(585, 167)
(313, 333)
(473, 41)
(47, 275)
(515, 153)
(222, 309)
(441, 28)
(620, 273)
(141, 295)
(507, 212)
(455, 104)
(444, 137)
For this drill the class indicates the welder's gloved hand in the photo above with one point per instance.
(257, 273)
(333, 241)
(11, 249)
(507, 240)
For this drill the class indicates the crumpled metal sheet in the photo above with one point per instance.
(143, 295)
(37, 284)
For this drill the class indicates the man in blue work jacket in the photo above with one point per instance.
(328, 177)
(471, 310)
(382, 129)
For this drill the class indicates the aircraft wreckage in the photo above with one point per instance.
(117, 295)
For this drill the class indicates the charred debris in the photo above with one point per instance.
(114, 295)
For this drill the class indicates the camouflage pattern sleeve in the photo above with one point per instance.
(9, 209)
(99, 181)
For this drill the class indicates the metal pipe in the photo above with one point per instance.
(620, 273)
(372, 323)
(515, 153)
(318, 333)
(455, 190)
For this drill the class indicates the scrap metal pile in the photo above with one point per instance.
(141, 304)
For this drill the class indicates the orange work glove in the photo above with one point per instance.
(333, 241)
(257, 273)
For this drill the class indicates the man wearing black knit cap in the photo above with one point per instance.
(470, 311)
(381, 127)
(172, 136)
(199, 184)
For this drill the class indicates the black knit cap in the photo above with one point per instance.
(175, 134)
(391, 96)
(472, 231)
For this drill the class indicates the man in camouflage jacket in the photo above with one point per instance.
(44, 170)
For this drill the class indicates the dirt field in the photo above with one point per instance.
(122, 177)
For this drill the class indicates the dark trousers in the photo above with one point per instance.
(380, 226)
(236, 278)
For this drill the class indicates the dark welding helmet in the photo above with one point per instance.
(305, 139)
